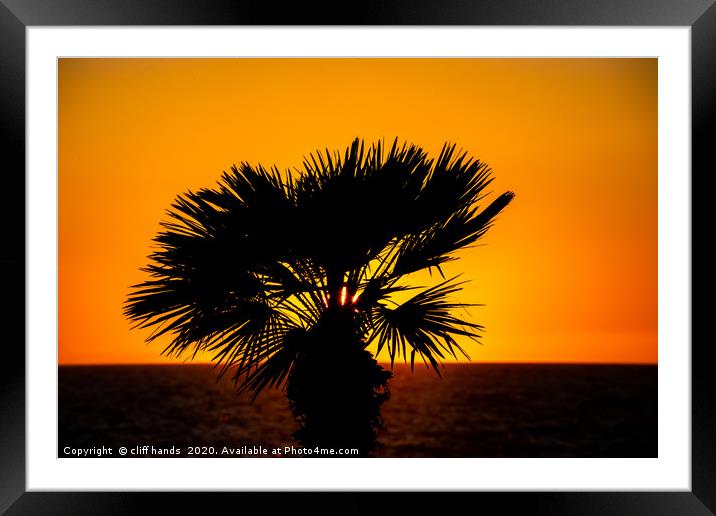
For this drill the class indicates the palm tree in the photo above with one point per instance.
(286, 279)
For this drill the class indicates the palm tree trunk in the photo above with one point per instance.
(336, 389)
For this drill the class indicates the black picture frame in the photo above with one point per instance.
(17, 15)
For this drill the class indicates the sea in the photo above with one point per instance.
(472, 410)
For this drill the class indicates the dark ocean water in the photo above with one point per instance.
(475, 410)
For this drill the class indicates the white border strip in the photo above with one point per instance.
(671, 471)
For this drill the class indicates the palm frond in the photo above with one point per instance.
(426, 323)
(435, 245)
(273, 371)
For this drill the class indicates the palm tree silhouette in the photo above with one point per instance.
(287, 279)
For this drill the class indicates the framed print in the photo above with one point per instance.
(406, 251)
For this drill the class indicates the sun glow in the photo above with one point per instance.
(344, 292)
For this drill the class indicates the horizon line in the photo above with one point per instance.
(382, 362)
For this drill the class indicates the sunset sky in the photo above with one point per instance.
(567, 274)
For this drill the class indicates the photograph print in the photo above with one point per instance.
(357, 257)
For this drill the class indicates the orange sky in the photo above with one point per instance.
(568, 272)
